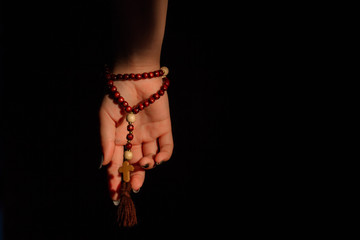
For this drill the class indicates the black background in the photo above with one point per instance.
(240, 126)
(53, 54)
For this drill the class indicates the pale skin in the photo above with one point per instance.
(137, 53)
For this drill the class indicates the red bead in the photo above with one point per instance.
(132, 76)
(166, 81)
(125, 104)
(119, 76)
(156, 73)
(113, 76)
(141, 106)
(130, 136)
(146, 103)
(128, 109)
(136, 110)
(130, 127)
(128, 146)
(151, 100)
(156, 96)
(145, 75)
(116, 94)
(164, 87)
(113, 89)
(138, 76)
(151, 74)
(108, 76)
(161, 92)
(110, 82)
(125, 76)
(161, 72)
(120, 100)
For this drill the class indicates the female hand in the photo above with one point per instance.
(153, 141)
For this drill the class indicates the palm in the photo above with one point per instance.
(152, 143)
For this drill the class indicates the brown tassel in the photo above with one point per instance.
(126, 208)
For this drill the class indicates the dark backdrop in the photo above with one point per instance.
(53, 54)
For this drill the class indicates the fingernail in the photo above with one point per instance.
(116, 202)
(145, 166)
(136, 191)
(158, 163)
(101, 161)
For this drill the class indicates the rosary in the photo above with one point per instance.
(126, 208)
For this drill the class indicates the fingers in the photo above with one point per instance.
(149, 151)
(166, 145)
(137, 178)
(113, 172)
(107, 132)
(138, 175)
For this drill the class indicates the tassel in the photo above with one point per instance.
(126, 208)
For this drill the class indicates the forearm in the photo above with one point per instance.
(138, 32)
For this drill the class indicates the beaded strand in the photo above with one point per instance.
(142, 105)
(133, 76)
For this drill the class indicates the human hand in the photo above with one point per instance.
(152, 143)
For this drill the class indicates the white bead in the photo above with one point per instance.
(116, 202)
(128, 155)
(165, 70)
(130, 117)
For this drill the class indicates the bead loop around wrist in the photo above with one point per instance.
(135, 76)
(114, 93)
